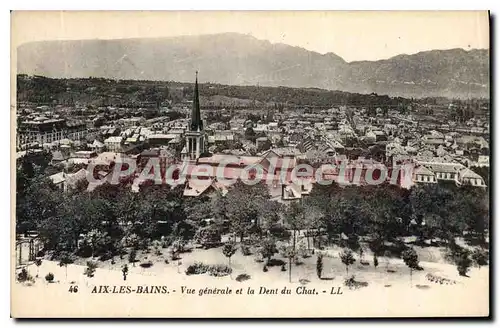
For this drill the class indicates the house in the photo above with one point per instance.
(65, 181)
(421, 174)
(114, 144)
(444, 171)
(470, 178)
(97, 146)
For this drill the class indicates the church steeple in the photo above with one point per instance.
(195, 135)
(196, 122)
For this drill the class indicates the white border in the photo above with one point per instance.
(190, 5)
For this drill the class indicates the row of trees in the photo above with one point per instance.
(329, 214)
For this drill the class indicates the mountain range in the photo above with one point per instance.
(239, 59)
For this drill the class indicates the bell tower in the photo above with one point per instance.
(195, 136)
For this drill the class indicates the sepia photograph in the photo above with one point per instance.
(250, 164)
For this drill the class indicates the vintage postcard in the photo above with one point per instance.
(261, 164)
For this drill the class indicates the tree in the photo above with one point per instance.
(94, 239)
(132, 257)
(387, 255)
(125, 271)
(90, 269)
(480, 257)
(410, 258)
(290, 253)
(244, 206)
(347, 257)
(268, 248)
(294, 217)
(228, 250)
(250, 134)
(38, 263)
(463, 262)
(319, 265)
(64, 260)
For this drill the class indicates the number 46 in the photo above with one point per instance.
(73, 289)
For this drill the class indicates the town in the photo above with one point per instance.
(120, 171)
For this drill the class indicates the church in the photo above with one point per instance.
(195, 136)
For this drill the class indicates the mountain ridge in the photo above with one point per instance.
(241, 59)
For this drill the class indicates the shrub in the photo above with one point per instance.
(319, 265)
(463, 262)
(480, 257)
(197, 268)
(410, 258)
(146, 265)
(275, 262)
(132, 257)
(375, 260)
(49, 277)
(352, 283)
(219, 270)
(208, 237)
(245, 250)
(228, 250)
(90, 269)
(265, 269)
(347, 258)
(283, 268)
(23, 276)
(268, 248)
(106, 256)
(242, 277)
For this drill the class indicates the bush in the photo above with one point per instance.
(24, 276)
(90, 269)
(280, 232)
(197, 268)
(480, 257)
(208, 237)
(219, 270)
(242, 277)
(283, 268)
(375, 260)
(275, 262)
(319, 265)
(106, 256)
(245, 250)
(463, 262)
(347, 258)
(352, 283)
(146, 265)
(49, 277)
(132, 257)
(265, 269)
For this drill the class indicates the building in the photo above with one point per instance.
(195, 136)
(45, 131)
(114, 144)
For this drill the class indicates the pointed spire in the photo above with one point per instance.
(196, 122)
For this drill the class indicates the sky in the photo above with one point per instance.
(353, 35)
